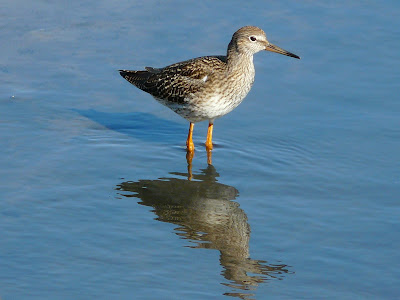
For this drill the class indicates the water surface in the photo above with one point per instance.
(300, 202)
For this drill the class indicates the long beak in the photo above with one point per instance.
(273, 48)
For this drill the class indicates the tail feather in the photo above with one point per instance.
(137, 78)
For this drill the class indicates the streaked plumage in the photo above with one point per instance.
(208, 87)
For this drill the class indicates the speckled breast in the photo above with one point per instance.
(213, 101)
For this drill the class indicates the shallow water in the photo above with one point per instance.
(301, 201)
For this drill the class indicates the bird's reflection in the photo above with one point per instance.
(203, 210)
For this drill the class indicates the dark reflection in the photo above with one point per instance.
(203, 210)
(141, 125)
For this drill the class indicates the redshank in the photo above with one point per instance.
(208, 87)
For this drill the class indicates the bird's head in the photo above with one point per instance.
(250, 40)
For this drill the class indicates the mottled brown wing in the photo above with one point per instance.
(175, 82)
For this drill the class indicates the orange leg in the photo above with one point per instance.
(209, 156)
(189, 141)
(209, 144)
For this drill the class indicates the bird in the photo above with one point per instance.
(207, 87)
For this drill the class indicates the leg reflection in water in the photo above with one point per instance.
(205, 213)
(189, 159)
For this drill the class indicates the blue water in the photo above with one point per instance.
(302, 198)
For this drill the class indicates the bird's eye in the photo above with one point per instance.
(253, 38)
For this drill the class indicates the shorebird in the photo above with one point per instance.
(208, 87)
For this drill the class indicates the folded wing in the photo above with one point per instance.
(175, 82)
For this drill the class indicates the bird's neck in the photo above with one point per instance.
(240, 62)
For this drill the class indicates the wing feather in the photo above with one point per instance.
(175, 82)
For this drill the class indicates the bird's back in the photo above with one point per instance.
(175, 83)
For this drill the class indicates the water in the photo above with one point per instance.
(302, 199)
